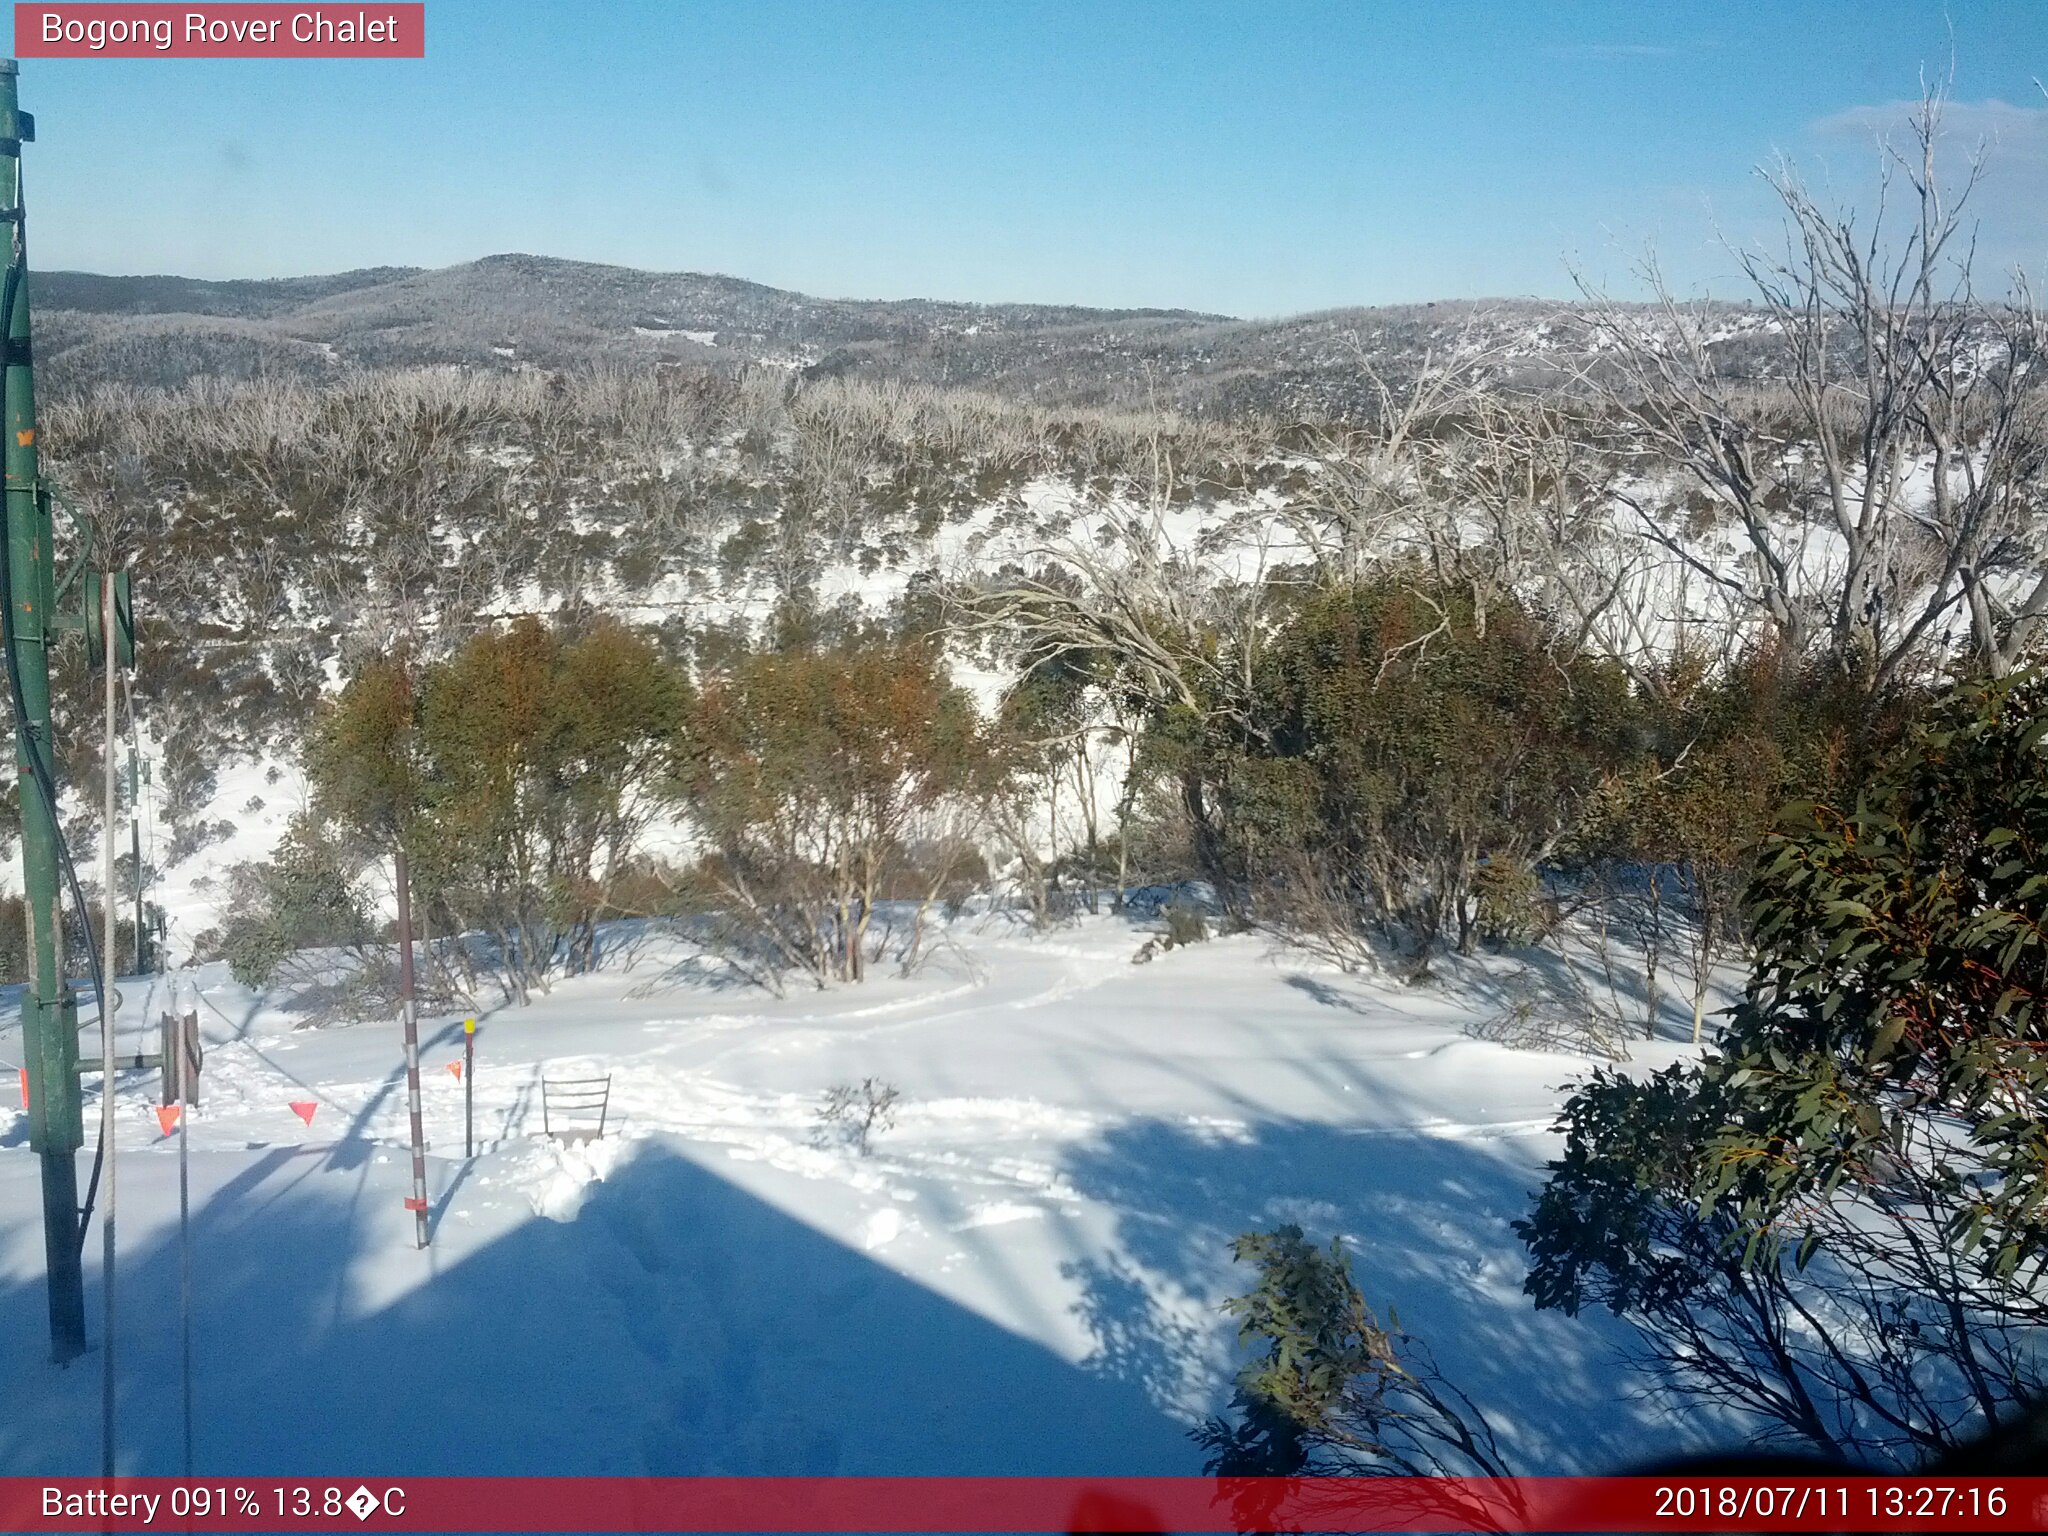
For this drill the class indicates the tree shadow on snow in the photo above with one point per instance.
(1427, 1221)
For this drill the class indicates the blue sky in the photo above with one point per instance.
(1256, 158)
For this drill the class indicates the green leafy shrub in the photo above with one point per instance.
(1405, 742)
(1332, 1390)
(1836, 1224)
(306, 897)
(1509, 901)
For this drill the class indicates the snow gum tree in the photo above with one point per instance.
(1066, 712)
(1668, 841)
(1884, 489)
(1408, 742)
(827, 781)
(543, 751)
(1895, 1018)
(1839, 1222)
(517, 772)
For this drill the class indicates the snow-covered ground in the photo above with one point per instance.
(1023, 1277)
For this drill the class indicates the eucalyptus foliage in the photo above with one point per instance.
(1837, 1221)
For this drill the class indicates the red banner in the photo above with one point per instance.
(1007, 1504)
(112, 31)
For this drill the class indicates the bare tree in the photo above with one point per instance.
(1885, 485)
(1379, 490)
(1182, 621)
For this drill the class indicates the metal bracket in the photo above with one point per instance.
(84, 616)
(59, 616)
(52, 1036)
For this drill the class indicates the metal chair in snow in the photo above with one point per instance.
(572, 1101)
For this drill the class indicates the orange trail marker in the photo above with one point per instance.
(24, 1087)
(167, 1116)
(304, 1108)
(456, 1068)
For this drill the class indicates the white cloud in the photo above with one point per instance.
(2009, 132)
(2008, 211)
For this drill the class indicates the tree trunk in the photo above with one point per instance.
(1209, 855)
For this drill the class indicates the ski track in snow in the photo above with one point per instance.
(1024, 1274)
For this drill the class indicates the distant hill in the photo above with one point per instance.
(502, 311)
(517, 311)
(241, 298)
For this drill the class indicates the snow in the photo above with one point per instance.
(702, 338)
(1024, 1276)
(257, 797)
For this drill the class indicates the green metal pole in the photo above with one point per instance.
(48, 1020)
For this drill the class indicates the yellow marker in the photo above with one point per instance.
(469, 1026)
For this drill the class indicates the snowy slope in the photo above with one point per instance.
(1023, 1277)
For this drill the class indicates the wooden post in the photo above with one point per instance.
(469, 1087)
(173, 1058)
(181, 1053)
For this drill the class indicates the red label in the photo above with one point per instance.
(369, 30)
(1681, 1502)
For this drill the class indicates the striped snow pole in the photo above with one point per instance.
(409, 1017)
